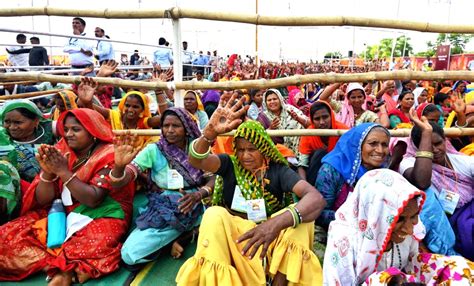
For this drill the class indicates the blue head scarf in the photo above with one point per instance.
(346, 157)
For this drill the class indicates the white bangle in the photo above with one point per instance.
(115, 179)
(465, 125)
(42, 179)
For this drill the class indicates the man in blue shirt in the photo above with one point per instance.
(105, 51)
(80, 50)
(162, 56)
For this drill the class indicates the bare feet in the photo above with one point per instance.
(82, 277)
(61, 279)
(176, 250)
(279, 279)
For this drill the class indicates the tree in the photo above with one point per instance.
(457, 41)
(334, 55)
(384, 48)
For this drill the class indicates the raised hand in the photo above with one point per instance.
(41, 158)
(226, 117)
(51, 160)
(126, 149)
(459, 106)
(423, 123)
(86, 90)
(107, 69)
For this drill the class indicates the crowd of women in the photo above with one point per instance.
(363, 208)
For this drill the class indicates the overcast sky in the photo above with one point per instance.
(290, 43)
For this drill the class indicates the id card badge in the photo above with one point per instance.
(449, 200)
(256, 210)
(66, 196)
(175, 180)
(239, 203)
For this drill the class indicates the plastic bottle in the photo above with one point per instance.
(56, 225)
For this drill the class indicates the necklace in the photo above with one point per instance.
(399, 256)
(83, 160)
(31, 141)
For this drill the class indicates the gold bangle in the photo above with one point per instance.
(424, 154)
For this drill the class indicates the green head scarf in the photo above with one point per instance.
(7, 149)
(254, 132)
(20, 103)
(249, 185)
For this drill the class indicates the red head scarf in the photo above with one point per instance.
(310, 143)
(92, 121)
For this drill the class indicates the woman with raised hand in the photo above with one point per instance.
(277, 115)
(256, 231)
(76, 170)
(174, 192)
(375, 238)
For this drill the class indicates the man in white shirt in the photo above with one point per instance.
(105, 51)
(80, 50)
(162, 56)
(19, 55)
(187, 61)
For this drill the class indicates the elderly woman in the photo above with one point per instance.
(421, 96)
(431, 167)
(193, 104)
(76, 170)
(351, 111)
(281, 116)
(361, 149)
(377, 229)
(176, 206)
(256, 221)
(27, 128)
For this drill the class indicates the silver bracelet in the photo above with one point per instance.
(115, 179)
(465, 125)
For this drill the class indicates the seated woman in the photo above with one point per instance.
(376, 230)
(76, 170)
(10, 193)
(133, 110)
(400, 114)
(65, 100)
(420, 96)
(256, 103)
(351, 112)
(278, 115)
(176, 206)
(257, 185)
(27, 128)
(362, 148)
(210, 100)
(443, 103)
(297, 99)
(322, 117)
(193, 104)
(451, 178)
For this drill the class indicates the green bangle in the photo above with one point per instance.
(196, 155)
(296, 220)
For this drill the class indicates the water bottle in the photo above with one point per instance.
(56, 225)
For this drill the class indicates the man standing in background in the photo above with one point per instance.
(134, 59)
(18, 55)
(38, 55)
(80, 50)
(187, 60)
(162, 56)
(105, 51)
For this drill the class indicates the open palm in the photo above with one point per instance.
(87, 89)
(227, 116)
(125, 149)
(107, 69)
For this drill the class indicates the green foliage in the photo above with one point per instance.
(384, 48)
(334, 55)
(457, 41)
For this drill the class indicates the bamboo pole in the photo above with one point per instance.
(257, 19)
(17, 82)
(449, 132)
(259, 84)
(30, 94)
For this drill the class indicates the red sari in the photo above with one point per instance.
(93, 250)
